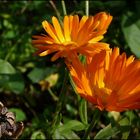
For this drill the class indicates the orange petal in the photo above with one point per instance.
(75, 25)
(84, 32)
(71, 22)
(96, 39)
(58, 29)
(50, 30)
(56, 56)
(82, 21)
(67, 28)
(44, 53)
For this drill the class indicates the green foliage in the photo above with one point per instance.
(66, 131)
(9, 78)
(38, 74)
(21, 71)
(6, 68)
(113, 129)
(38, 135)
(131, 30)
(107, 132)
(20, 115)
(12, 82)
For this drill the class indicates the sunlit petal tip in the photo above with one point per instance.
(44, 23)
(53, 17)
(44, 53)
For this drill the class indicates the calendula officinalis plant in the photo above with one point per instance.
(107, 79)
(70, 69)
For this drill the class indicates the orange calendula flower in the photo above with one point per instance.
(75, 36)
(108, 80)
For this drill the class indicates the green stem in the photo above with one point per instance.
(52, 94)
(56, 11)
(64, 7)
(9, 53)
(12, 48)
(87, 7)
(85, 111)
(95, 119)
(83, 102)
(61, 100)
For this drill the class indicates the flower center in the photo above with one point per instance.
(103, 93)
(66, 43)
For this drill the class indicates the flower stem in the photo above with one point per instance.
(64, 7)
(56, 10)
(87, 7)
(95, 119)
(61, 100)
(52, 94)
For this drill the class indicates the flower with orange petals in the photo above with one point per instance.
(109, 80)
(75, 36)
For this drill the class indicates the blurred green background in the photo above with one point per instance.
(27, 81)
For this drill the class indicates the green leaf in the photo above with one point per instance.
(12, 82)
(9, 34)
(70, 135)
(67, 135)
(72, 125)
(131, 30)
(67, 130)
(57, 135)
(38, 74)
(131, 115)
(20, 115)
(5, 15)
(6, 67)
(113, 129)
(125, 130)
(107, 132)
(38, 135)
(7, 24)
(9, 78)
